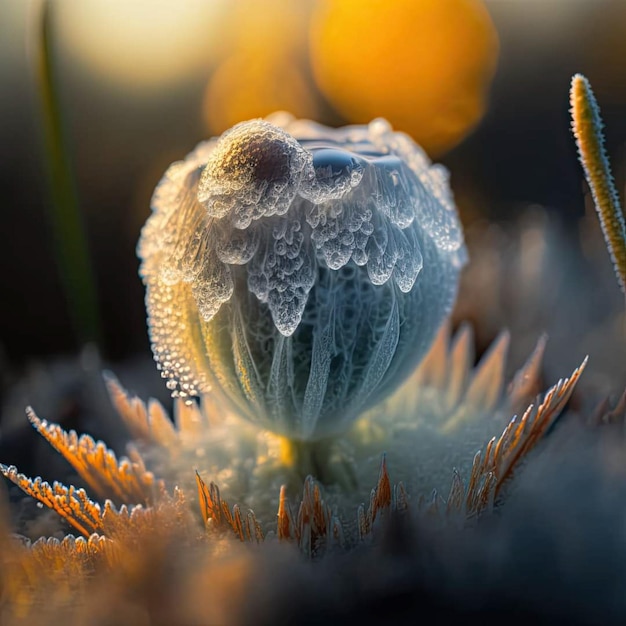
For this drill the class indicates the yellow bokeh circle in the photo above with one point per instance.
(248, 85)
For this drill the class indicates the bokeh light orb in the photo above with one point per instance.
(425, 65)
(141, 46)
(263, 64)
(253, 83)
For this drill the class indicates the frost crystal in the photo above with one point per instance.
(299, 271)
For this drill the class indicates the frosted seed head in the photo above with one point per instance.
(299, 273)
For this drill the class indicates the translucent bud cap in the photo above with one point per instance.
(298, 271)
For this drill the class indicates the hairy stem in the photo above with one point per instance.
(587, 126)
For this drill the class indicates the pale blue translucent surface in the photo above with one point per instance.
(328, 258)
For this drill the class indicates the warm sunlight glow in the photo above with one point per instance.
(425, 65)
(140, 45)
(248, 85)
(263, 64)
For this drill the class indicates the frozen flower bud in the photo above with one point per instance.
(297, 272)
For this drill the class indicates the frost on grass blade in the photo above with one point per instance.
(123, 480)
(217, 515)
(587, 128)
(503, 456)
(72, 504)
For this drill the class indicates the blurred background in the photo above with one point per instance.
(483, 86)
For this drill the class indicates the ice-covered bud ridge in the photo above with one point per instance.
(297, 272)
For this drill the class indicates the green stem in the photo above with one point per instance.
(69, 237)
(324, 460)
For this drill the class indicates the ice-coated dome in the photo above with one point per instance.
(299, 272)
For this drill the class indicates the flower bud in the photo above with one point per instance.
(299, 273)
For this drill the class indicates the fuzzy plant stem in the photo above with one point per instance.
(323, 459)
(71, 246)
(587, 126)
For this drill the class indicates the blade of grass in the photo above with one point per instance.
(71, 247)
(587, 126)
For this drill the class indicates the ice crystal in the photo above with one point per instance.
(299, 272)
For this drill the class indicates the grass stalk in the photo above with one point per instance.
(70, 243)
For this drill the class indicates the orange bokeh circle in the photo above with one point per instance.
(425, 65)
